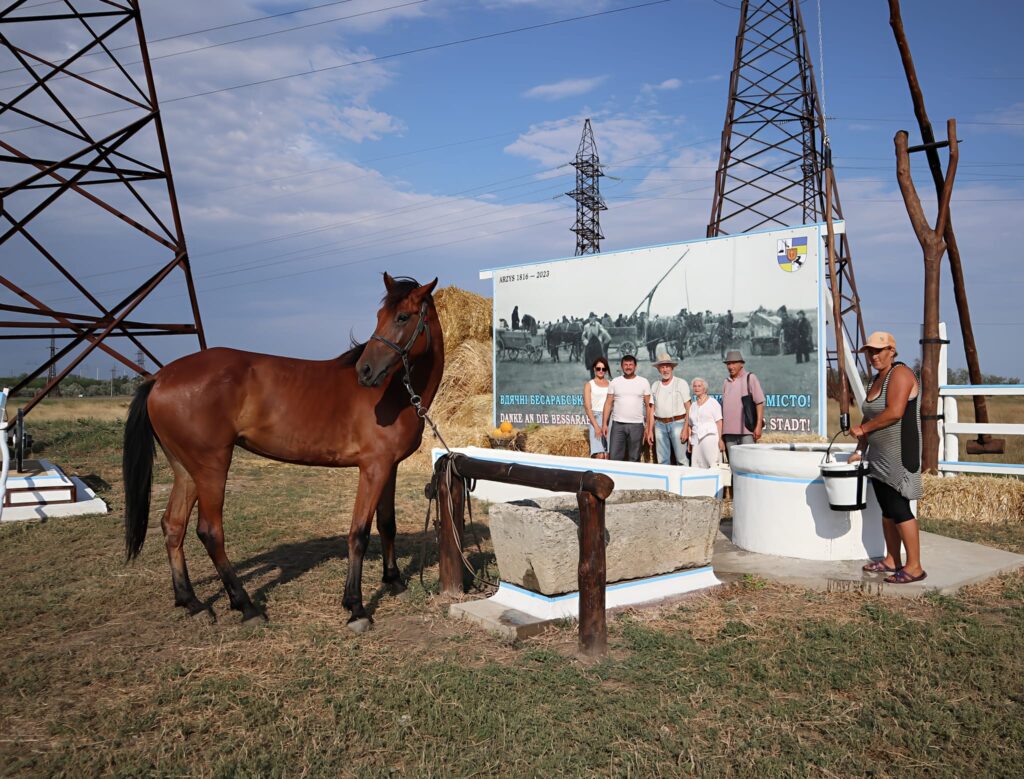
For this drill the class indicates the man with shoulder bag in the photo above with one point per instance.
(742, 404)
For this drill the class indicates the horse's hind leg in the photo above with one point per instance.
(387, 528)
(211, 532)
(174, 524)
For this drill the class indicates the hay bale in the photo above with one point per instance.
(465, 316)
(973, 498)
(565, 440)
(467, 374)
(793, 438)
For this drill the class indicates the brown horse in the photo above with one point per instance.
(352, 410)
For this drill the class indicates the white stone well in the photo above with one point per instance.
(780, 506)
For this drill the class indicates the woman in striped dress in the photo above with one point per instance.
(890, 435)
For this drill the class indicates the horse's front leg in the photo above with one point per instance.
(386, 528)
(372, 479)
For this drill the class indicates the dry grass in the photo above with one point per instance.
(100, 676)
(52, 408)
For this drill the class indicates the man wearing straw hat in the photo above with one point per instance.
(671, 398)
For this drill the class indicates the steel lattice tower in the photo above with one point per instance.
(587, 195)
(771, 168)
(82, 151)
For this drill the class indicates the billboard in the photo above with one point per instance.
(760, 293)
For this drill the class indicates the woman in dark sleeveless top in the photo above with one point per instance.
(890, 435)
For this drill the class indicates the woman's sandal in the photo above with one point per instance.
(902, 577)
(877, 566)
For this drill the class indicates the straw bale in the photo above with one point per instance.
(973, 498)
(793, 438)
(467, 373)
(564, 440)
(465, 316)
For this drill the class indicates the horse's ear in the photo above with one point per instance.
(426, 289)
(388, 281)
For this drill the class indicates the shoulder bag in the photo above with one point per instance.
(749, 409)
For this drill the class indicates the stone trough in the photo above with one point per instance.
(657, 545)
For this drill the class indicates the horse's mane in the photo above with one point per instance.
(400, 289)
(351, 357)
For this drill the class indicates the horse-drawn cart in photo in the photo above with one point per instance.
(513, 344)
(624, 340)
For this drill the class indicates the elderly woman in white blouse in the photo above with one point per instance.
(703, 426)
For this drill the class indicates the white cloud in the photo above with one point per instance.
(667, 84)
(569, 87)
(1008, 120)
(359, 124)
(554, 143)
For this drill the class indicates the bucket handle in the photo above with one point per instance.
(828, 452)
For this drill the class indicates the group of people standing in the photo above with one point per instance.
(689, 427)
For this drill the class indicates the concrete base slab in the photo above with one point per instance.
(45, 491)
(950, 563)
(514, 612)
(497, 618)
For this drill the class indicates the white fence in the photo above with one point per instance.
(950, 425)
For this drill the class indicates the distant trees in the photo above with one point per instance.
(959, 376)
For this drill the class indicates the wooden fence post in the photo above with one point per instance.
(592, 575)
(451, 512)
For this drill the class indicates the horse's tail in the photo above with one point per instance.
(137, 465)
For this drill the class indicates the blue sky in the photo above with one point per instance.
(296, 194)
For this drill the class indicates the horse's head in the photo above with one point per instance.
(402, 329)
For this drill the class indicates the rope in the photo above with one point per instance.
(468, 486)
(446, 466)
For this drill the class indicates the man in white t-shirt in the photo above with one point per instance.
(671, 396)
(629, 409)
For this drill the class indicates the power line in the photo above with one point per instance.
(379, 58)
(194, 32)
(218, 45)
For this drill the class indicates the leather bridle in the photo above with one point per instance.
(403, 351)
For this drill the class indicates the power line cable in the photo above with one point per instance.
(379, 58)
(194, 32)
(218, 45)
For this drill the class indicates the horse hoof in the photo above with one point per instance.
(360, 625)
(396, 587)
(195, 607)
(252, 615)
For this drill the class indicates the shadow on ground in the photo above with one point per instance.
(290, 561)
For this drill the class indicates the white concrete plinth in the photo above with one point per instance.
(617, 595)
(679, 480)
(780, 506)
(48, 492)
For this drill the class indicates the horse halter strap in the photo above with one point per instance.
(403, 351)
